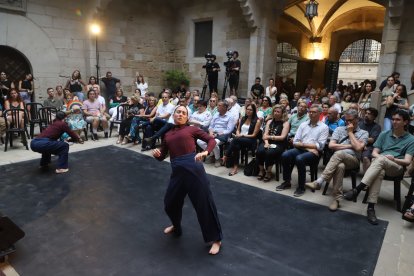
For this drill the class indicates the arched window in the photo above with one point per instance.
(362, 51)
(287, 57)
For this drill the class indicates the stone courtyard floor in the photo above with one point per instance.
(396, 256)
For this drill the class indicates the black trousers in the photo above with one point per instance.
(234, 82)
(189, 177)
(237, 144)
(267, 157)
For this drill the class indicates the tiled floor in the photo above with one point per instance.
(396, 257)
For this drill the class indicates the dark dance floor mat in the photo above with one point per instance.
(105, 217)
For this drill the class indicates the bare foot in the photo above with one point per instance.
(215, 248)
(169, 229)
(58, 171)
(172, 230)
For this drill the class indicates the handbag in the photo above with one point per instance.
(252, 168)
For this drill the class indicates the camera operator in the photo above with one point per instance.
(212, 69)
(234, 70)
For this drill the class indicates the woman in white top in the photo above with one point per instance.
(141, 84)
(245, 138)
(271, 91)
(201, 117)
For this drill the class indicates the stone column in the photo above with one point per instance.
(390, 39)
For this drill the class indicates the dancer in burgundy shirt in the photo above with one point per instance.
(189, 177)
(47, 143)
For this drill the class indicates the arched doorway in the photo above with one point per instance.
(14, 63)
(359, 61)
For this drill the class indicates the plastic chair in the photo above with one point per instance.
(122, 111)
(35, 117)
(13, 126)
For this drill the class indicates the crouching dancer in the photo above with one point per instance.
(189, 177)
(47, 143)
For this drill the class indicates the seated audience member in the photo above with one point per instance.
(309, 141)
(296, 119)
(274, 142)
(60, 93)
(333, 103)
(293, 103)
(14, 102)
(47, 143)
(92, 109)
(74, 119)
(115, 101)
(365, 99)
(232, 110)
(236, 105)
(246, 137)
(2, 123)
(201, 117)
(212, 105)
(175, 99)
(374, 130)
(162, 115)
(346, 102)
(101, 100)
(347, 142)
(246, 103)
(399, 100)
(285, 103)
(332, 120)
(266, 107)
(393, 150)
(194, 105)
(136, 111)
(51, 101)
(221, 126)
(324, 113)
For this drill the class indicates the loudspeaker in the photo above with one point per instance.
(10, 233)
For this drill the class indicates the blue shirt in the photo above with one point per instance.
(333, 125)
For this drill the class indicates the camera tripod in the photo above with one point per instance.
(203, 92)
(226, 81)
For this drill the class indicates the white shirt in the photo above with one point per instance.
(272, 98)
(162, 110)
(309, 134)
(101, 101)
(142, 86)
(203, 118)
(244, 129)
(222, 124)
(338, 107)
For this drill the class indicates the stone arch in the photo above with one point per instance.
(19, 32)
(14, 63)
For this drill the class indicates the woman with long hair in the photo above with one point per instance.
(141, 84)
(14, 101)
(246, 137)
(189, 177)
(397, 101)
(365, 99)
(92, 83)
(274, 142)
(266, 107)
(26, 90)
(76, 85)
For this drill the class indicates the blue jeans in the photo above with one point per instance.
(47, 147)
(300, 158)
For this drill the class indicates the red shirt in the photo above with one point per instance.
(55, 130)
(181, 140)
